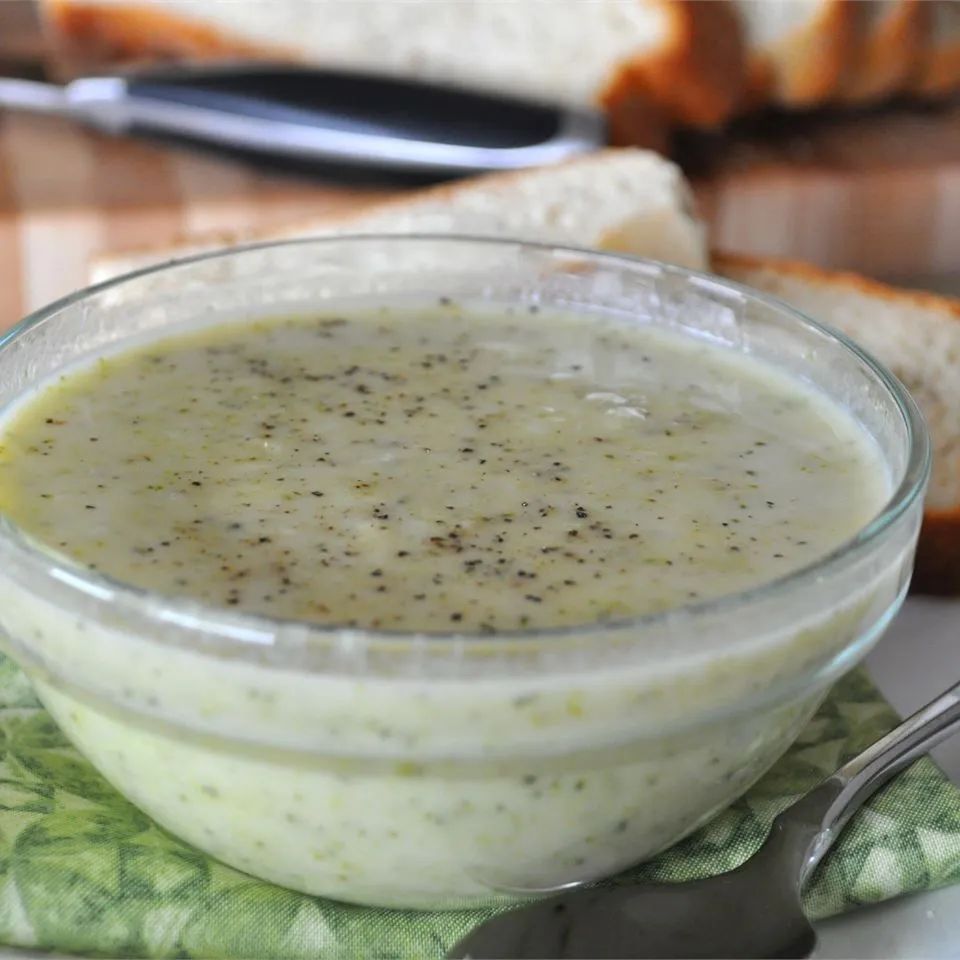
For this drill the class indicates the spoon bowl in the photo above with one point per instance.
(719, 917)
(752, 911)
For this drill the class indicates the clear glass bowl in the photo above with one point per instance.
(443, 770)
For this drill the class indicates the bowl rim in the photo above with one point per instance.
(245, 633)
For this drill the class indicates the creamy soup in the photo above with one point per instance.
(444, 469)
(439, 470)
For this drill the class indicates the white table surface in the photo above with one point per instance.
(918, 658)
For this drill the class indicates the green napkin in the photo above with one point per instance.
(81, 870)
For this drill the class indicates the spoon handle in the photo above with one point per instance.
(829, 806)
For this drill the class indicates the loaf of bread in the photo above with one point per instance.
(652, 65)
(938, 71)
(636, 202)
(891, 42)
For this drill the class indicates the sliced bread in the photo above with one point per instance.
(797, 50)
(939, 71)
(891, 38)
(918, 336)
(616, 199)
(637, 58)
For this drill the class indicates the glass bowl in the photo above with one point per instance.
(446, 770)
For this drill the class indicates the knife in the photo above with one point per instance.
(312, 114)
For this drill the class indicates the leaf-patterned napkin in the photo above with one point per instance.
(83, 871)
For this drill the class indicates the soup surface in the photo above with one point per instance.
(437, 468)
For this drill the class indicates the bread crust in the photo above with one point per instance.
(937, 568)
(90, 34)
(698, 77)
(722, 260)
(805, 68)
(942, 75)
(887, 55)
(634, 117)
(939, 71)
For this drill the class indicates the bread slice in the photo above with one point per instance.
(917, 335)
(797, 49)
(616, 199)
(939, 70)
(636, 58)
(891, 39)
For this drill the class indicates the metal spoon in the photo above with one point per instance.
(753, 911)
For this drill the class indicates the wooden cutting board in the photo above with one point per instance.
(880, 195)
